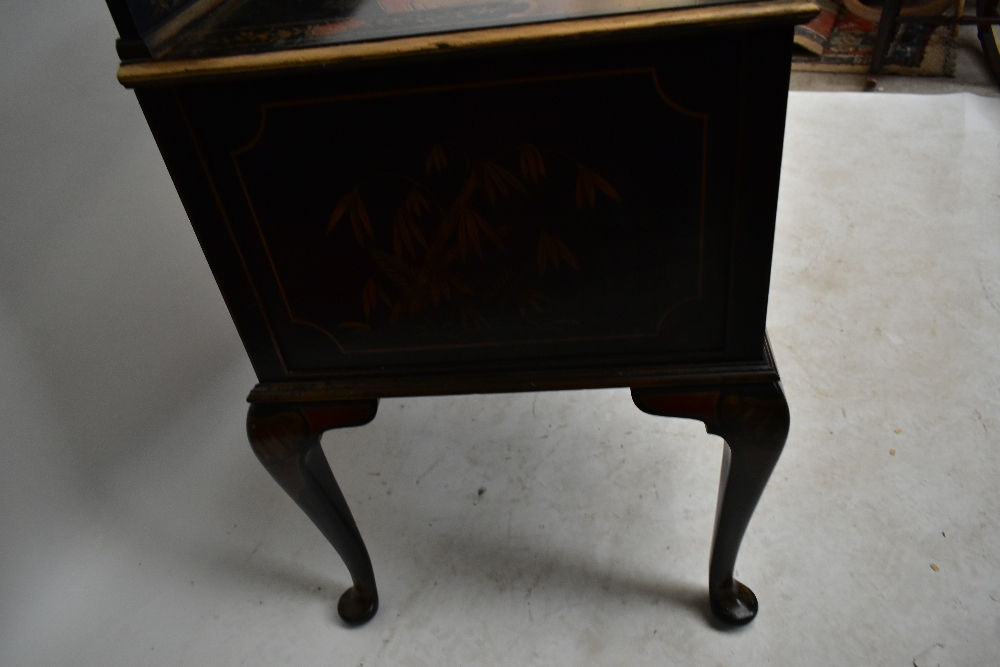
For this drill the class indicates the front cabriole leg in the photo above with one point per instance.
(753, 420)
(285, 437)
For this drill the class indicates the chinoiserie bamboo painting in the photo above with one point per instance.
(424, 261)
(470, 219)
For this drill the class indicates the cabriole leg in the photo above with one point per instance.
(285, 437)
(753, 421)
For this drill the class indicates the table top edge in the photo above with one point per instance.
(162, 72)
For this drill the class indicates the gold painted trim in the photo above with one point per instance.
(164, 71)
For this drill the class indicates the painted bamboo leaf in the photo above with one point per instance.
(488, 231)
(529, 298)
(532, 164)
(457, 283)
(497, 180)
(468, 234)
(354, 207)
(401, 236)
(415, 232)
(396, 269)
(442, 283)
(588, 183)
(606, 188)
(404, 233)
(436, 158)
(416, 202)
(339, 211)
(370, 296)
(360, 223)
(552, 250)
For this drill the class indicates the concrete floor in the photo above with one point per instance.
(138, 529)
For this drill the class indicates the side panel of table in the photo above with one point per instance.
(602, 205)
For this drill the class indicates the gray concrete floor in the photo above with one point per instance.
(138, 529)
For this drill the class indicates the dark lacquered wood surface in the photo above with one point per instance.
(569, 208)
(753, 421)
(285, 439)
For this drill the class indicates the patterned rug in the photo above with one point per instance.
(838, 41)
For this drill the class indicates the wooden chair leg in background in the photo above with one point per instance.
(887, 27)
(285, 438)
(753, 420)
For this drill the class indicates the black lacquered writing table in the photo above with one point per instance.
(401, 198)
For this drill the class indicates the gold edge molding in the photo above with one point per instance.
(167, 71)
